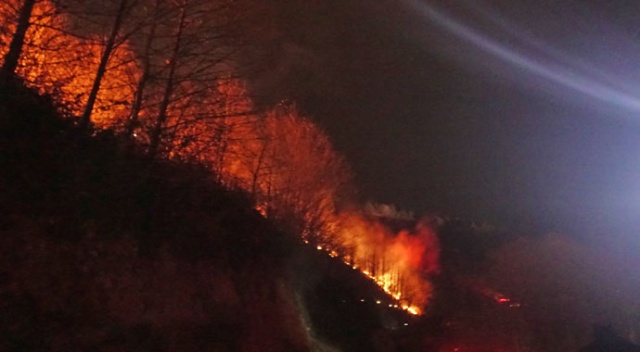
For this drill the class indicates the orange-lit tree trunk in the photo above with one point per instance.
(258, 169)
(156, 133)
(102, 66)
(8, 69)
(133, 121)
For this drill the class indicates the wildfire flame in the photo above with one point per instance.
(399, 263)
(49, 64)
(282, 159)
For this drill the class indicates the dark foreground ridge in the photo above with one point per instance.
(102, 249)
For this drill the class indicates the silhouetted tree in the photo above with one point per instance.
(104, 60)
(8, 69)
(145, 76)
(161, 119)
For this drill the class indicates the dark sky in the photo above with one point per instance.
(523, 113)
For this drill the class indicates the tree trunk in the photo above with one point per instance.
(156, 134)
(8, 69)
(102, 67)
(132, 123)
(256, 172)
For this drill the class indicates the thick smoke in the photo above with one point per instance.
(567, 287)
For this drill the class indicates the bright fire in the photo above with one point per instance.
(283, 160)
(50, 60)
(400, 263)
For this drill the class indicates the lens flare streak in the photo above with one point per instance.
(541, 61)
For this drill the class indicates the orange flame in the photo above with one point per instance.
(281, 158)
(64, 65)
(399, 263)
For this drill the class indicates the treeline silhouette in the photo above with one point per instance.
(104, 249)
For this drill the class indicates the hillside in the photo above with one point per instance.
(104, 250)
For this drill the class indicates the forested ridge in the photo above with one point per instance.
(107, 250)
(148, 203)
(152, 200)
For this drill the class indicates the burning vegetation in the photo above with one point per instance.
(158, 84)
(398, 262)
(162, 74)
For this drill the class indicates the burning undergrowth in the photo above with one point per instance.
(399, 261)
(282, 160)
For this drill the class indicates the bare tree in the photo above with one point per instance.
(193, 58)
(161, 120)
(8, 69)
(104, 60)
(145, 76)
(60, 55)
(289, 167)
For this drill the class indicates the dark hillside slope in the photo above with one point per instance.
(101, 250)
(348, 311)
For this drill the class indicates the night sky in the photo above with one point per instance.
(522, 113)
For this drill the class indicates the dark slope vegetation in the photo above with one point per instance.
(348, 311)
(104, 250)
